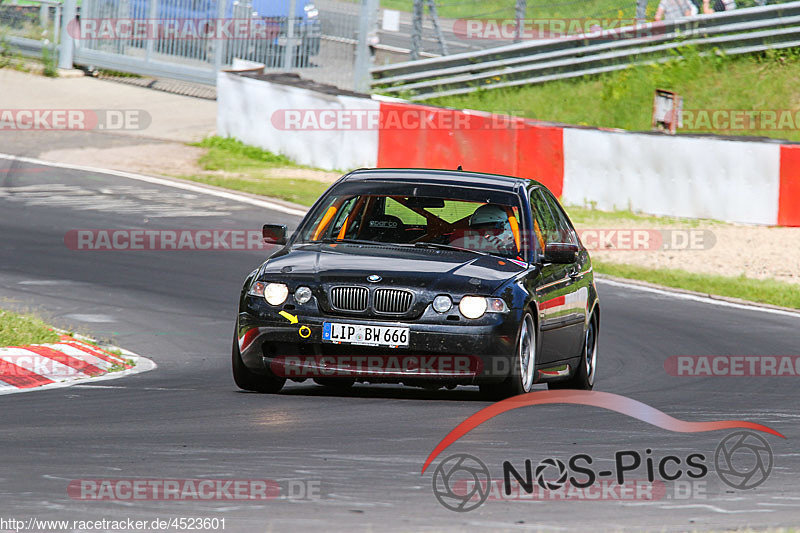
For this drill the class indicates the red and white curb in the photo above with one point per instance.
(67, 362)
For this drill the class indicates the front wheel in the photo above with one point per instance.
(524, 365)
(583, 378)
(247, 380)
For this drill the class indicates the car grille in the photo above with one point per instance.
(393, 301)
(349, 298)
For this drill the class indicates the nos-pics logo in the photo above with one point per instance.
(461, 482)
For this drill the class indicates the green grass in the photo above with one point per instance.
(505, 9)
(588, 216)
(537, 9)
(299, 191)
(754, 290)
(232, 155)
(624, 99)
(18, 330)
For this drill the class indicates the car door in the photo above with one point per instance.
(577, 298)
(556, 291)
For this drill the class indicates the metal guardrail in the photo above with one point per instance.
(48, 19)
(734, 32)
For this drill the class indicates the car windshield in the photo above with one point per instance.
(440, 217)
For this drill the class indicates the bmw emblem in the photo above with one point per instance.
(374, 278)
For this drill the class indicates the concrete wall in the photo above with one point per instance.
(736, 181)
(261, 114)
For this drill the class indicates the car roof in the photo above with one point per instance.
(439, 176)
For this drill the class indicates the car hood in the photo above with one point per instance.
(447, 271)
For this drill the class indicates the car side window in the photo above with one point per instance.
(566, 233)
(342, 215)
(545, 226)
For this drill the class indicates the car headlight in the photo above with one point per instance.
(273, 293)
(472, 306)
(477, 306)
(302, 295)
(442, 303)
(276, 293)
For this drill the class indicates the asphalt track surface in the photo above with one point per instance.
(186, 419)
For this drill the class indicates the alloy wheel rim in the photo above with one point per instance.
(527, 354)
(591, 352)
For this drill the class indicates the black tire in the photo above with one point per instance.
(523, 369)
(337, 384)
(584, 376)
(247, 380)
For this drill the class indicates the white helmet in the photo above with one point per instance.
(489, 214)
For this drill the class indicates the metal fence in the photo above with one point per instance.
(190, 40)
(735, 32)
(29, 28)
(193, 39)
(430, 23)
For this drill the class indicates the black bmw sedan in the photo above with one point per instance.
(431, 278)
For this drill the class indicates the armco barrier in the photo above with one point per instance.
(698, 177)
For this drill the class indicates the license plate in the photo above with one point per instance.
(364, 334)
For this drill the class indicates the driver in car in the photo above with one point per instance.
(489, 231)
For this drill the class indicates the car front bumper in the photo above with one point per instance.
(463, 352)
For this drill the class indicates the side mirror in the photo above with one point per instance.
(274, 233)
(560, 253)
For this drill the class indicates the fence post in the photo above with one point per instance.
(152, 14)
(66, 47)
(437, 27)
(288, 51)
(641, 10)
(416, 29)
(519, 12)
(44, 15)
(219, 42)
(367, 21)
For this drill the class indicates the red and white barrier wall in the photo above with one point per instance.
(737, 181)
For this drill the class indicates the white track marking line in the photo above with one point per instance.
(161, 181)
(716, 509)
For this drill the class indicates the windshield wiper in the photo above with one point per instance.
(446, 247)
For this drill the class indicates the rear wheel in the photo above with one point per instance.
(583, 377)
(247, 380)
(524, 365)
